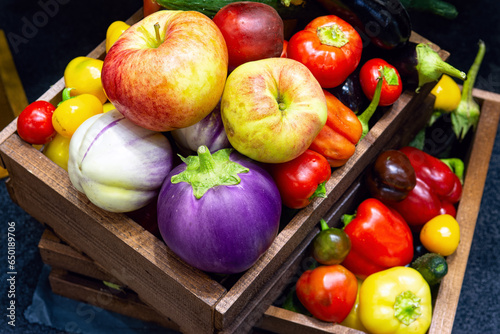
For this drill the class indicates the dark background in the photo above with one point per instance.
(66, 29)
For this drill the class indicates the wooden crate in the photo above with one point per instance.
(196, 301)
(76, 276)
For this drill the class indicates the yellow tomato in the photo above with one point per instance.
(441, 235)
(83, 74)
(57, 150)
(72, 112)
(108, 106)
(447, 93)
(115, 30)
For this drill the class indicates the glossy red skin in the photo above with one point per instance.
(298, 179)
(368, 77)
(252, 31)
(34, 124)
(329, 64)
(380, 239)
(328, 292)
(437, 191)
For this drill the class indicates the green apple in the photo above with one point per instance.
(167, 71)
(272, 109)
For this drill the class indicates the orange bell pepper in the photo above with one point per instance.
(338, 138)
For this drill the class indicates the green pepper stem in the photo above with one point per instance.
(66, 95)
(346, 219)
(407, 307)
(364, 118)
(324, 225)
(457, 166)
(320, 191)
(466, 115)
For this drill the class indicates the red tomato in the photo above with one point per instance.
(392, 87)
(301, 179)
(328, 292)
(34, 124)
(329, 47)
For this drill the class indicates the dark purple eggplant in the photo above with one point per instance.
(351, 94)
(418, 64)
(383, 23)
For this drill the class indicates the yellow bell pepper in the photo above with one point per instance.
(115, 30)
(73, 111)
(353, 320)
(447, 93)
(396, 300)
(83, 75)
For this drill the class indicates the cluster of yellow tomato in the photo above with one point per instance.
(82, 98)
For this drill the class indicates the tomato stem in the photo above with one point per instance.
(332, 35)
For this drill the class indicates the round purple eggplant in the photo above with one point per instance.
(219, 212)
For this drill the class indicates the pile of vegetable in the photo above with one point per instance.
(213, 117)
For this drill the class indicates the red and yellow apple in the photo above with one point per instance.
(272, 109)
(167, 76)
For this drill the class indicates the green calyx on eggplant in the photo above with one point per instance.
(418, 64)
(385, 24)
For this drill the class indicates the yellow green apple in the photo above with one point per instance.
(272, 109)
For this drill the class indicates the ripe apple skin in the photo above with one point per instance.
(272, 109)
(169, 84)
(252, 31)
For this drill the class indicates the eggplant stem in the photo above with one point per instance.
(466, 115)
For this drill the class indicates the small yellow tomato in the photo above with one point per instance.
(108, 106)
(447, 93)
(57, 150)
(83, 74)
(441, 235)
(115, 30)
(72, 112)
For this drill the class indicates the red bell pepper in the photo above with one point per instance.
(302, 179)
(436, 192)
(380, 239)
(328, 292)
(330, 47)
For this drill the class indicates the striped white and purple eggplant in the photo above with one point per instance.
(219, 212)
(209, 132)
(118, 165)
